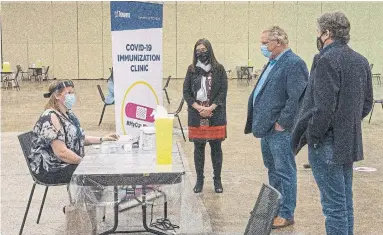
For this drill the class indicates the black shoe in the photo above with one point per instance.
(218, 186)
(306, 166)
(198, 186)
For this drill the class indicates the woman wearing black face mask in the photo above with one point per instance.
(205, 91)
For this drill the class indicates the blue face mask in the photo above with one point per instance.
(70, 100)
(265, 51)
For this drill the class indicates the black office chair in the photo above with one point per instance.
(228, 74)
(249, 74)
(245, 72)
(176, 114)
(39, 74)
(239, 71)
(105, 104)
(373, 104)
(375, 75)
(15, 79)
(44, 76)
(26, 145)
(264, 212)
(22, 72)
(111, 73)
(165, 89)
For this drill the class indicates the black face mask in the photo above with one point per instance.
(320, 44)
(203, 57)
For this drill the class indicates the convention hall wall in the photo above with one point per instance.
(74, 37)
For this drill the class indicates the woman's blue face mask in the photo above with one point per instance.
(70, 100)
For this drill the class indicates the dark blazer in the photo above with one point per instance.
(218, 95)
(315, 62)
(338, 96)
(277, 100)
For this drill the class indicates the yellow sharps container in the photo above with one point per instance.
(6, 67)
(39, 64)
(164, 139)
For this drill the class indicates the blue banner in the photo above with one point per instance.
(135, 15)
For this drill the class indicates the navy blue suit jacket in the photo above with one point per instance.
(277, 100)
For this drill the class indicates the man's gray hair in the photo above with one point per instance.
(337, 24)
(278, 34)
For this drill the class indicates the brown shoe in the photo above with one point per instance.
(280, 222)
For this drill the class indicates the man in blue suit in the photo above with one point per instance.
(272, 107)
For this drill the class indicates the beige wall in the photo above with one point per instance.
(74, 37)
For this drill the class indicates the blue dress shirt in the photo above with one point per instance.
(266, 73)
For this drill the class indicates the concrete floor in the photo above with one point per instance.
(243, 170)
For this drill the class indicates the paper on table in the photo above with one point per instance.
(125, 138)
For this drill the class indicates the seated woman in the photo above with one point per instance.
(58, 140)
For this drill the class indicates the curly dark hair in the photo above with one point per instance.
(337, 24)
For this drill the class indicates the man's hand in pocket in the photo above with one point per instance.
(278, 127)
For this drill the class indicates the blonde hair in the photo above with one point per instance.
(277, 33)
(53, 102)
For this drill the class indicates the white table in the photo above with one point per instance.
(110, 167)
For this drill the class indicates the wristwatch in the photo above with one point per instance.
(101, 140)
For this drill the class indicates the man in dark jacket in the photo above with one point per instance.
(337, 98)
(272, 107)
(313, 65)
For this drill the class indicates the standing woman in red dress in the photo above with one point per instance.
(205, 91)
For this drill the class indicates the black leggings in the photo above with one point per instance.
(63, 175)
(216, 158)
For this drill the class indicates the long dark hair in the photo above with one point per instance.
(213, 61)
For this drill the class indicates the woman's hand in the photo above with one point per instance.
(197, 107)
(206, 112)
(111, 137)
